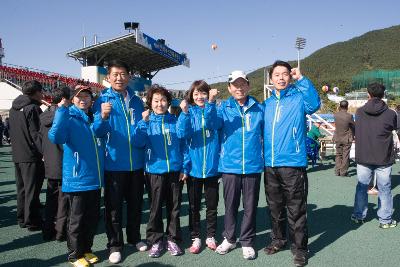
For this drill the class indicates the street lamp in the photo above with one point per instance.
(300, 44)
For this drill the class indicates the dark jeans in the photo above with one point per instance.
(29, 179)
(286, 189)
(165, 188)
(235, 186)
(120, 186)
(84, 215)
(342, 158)
(211, 191)
(56, 210)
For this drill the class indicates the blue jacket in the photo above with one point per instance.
(202, 141)
(83, 156)
(165, 149)
(285, 124)
(241, 136)
(121, 154)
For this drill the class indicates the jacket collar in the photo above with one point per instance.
(110, 92)
(154, 117)
(231, 102)
(290, 90)
(78, 113)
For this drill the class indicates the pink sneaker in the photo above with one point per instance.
(196, 245)
(211, 243)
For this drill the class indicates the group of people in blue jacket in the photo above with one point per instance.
(118, 145)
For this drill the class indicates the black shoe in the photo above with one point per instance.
(49, 235)
(300, 259)
(355, 220)
(60, 238)
(34, 228)
(274, 247)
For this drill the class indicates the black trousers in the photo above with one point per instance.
(235, 186)
(342, 158)
(165, 188)
(211, 191)
(56, 210)
(29, 179)
(84, 215)
(120, 186)
(286, 189)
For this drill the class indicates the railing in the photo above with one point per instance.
(325, 123)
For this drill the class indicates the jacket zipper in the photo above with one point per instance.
(97, 156)
(273, 134)
(243, 143)
(129, 132)
(204, 144)
(165, 142)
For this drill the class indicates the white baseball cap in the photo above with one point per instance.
(236, 74)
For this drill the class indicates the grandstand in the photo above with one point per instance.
(144, 55)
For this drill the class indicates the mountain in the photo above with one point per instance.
(336, 64)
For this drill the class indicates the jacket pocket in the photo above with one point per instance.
(76, 165)
(295, 139)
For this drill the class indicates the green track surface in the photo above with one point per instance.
(334, 239)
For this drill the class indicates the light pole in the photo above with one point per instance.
(300, 44)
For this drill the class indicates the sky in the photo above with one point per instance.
(249, 34)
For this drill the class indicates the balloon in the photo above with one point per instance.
(335, 90)
(325, 88)
(214, 46)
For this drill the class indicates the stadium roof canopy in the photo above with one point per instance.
(141, 52)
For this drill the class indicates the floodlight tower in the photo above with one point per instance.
(1, 53)
(300, 44)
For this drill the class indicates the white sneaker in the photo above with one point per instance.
(225, 247)
(115, 257)
(141, 246)
(249, 253)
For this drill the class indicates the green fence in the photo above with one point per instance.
(390, 78)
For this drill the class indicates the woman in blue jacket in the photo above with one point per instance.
(82, 172)
(240, 120)
(203, 160)
(158, 132)
(285, 157)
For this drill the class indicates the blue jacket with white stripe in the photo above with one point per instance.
(241, 130)
(164, 145)
(202, 141)
(121, 154)
(285, 124)
(83, 158)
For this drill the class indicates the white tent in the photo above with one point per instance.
(7, 95)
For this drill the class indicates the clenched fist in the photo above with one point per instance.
(212, 95)
(105, 110)
(146, 115)
(295, 73)
(184, 106)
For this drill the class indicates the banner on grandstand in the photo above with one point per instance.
(162, 49)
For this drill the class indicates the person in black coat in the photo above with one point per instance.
(26, 143)
(375, 155)
(56, 208)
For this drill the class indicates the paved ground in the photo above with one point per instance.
(334, 240)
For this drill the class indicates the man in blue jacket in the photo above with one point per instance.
(124, 175)
(286, 159)
(240, 120)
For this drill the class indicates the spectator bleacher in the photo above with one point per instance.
(18, 75)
